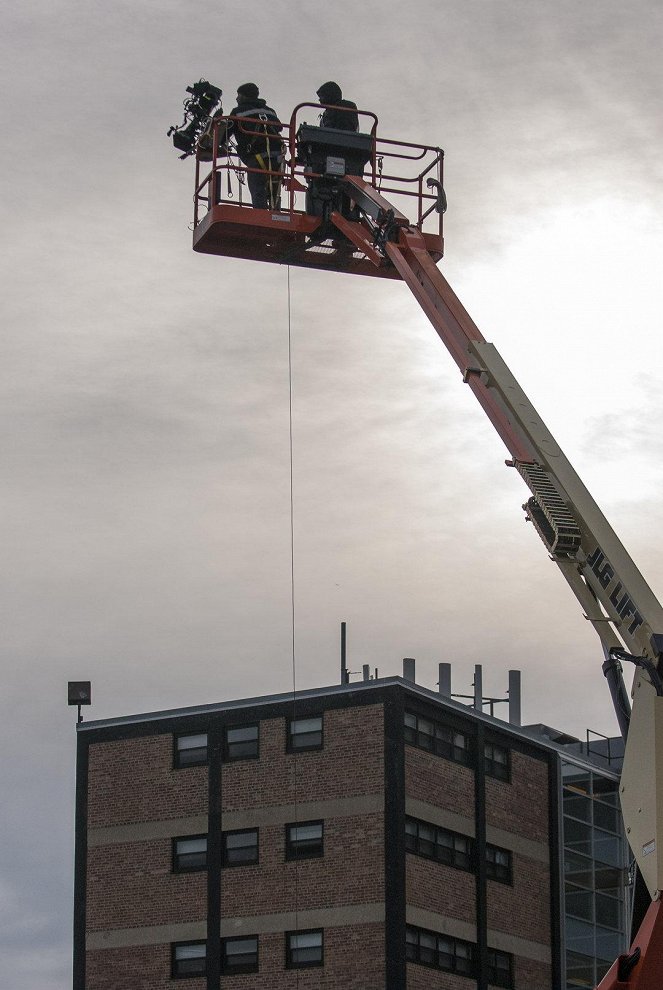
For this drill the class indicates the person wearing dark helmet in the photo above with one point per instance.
(341, 114)
(258, 145)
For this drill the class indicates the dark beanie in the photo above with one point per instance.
(330, 92)
(248, 89)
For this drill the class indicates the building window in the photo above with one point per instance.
(304, 733)
(240, 847)
(239, 955)
(496, 761)
(189, 853)
(241, 742)
(440, 844)
(498, 864)
(188, 959)
(191, 750)
(443, 740)
(500, 968)
(439, 951)
(304, 840)
(304, 949)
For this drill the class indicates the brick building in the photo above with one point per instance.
(372, 836)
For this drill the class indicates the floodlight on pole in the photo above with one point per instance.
(79, 693)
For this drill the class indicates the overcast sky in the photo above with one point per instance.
(144, 402)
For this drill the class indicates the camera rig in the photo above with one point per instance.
(198, 110)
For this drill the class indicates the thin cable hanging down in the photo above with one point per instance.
(292, 601)
(292, 513)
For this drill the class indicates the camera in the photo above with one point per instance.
(197, 114)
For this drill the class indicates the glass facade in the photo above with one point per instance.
(595, 860)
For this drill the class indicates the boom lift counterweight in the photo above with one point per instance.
(357, 229)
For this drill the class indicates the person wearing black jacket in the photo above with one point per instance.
(345, 119)
(258, 145)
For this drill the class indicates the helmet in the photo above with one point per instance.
(330, 92)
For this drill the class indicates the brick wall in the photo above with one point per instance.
(140, 968)
(528, 975)
(531, 975)
(133, 780)
(522, 805)
(350, 764)
(354, 960)
(131, 884)
(350, 872)
(425, 978)
(436, 887)
(438, 781)
(524, 908)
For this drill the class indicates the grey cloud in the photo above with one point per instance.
(629, 432)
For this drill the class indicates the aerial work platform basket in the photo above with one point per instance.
(321, 181)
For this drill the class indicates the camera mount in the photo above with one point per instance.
(198, 109)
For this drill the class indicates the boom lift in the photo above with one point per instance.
(346, 224)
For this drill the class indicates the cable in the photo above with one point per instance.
(292, 599)
(292, 513)
(616, 653)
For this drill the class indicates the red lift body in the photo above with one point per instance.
(642, 967)
(375, 238)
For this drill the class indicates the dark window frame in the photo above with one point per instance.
(311, 747)
(461, 965)
(252, 967)
(499, 872)
(230, 755)
(225, 862)
(176, 865)
(201, 761)
(292, 853)
(289, 963)
(496, 976)
(174, 971)
(497, 769)
(441, 741)
(448, 855)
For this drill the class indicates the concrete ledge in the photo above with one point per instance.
(459, 823)
(518, 844)
(143, 831)
(439, 816)
(121, 938)
(519, 946)
(357, 914)
(252, 818)
(366, 804)
(435, 922)
(496, 940)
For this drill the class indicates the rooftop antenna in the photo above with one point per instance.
(345, 673)
(477, 699)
